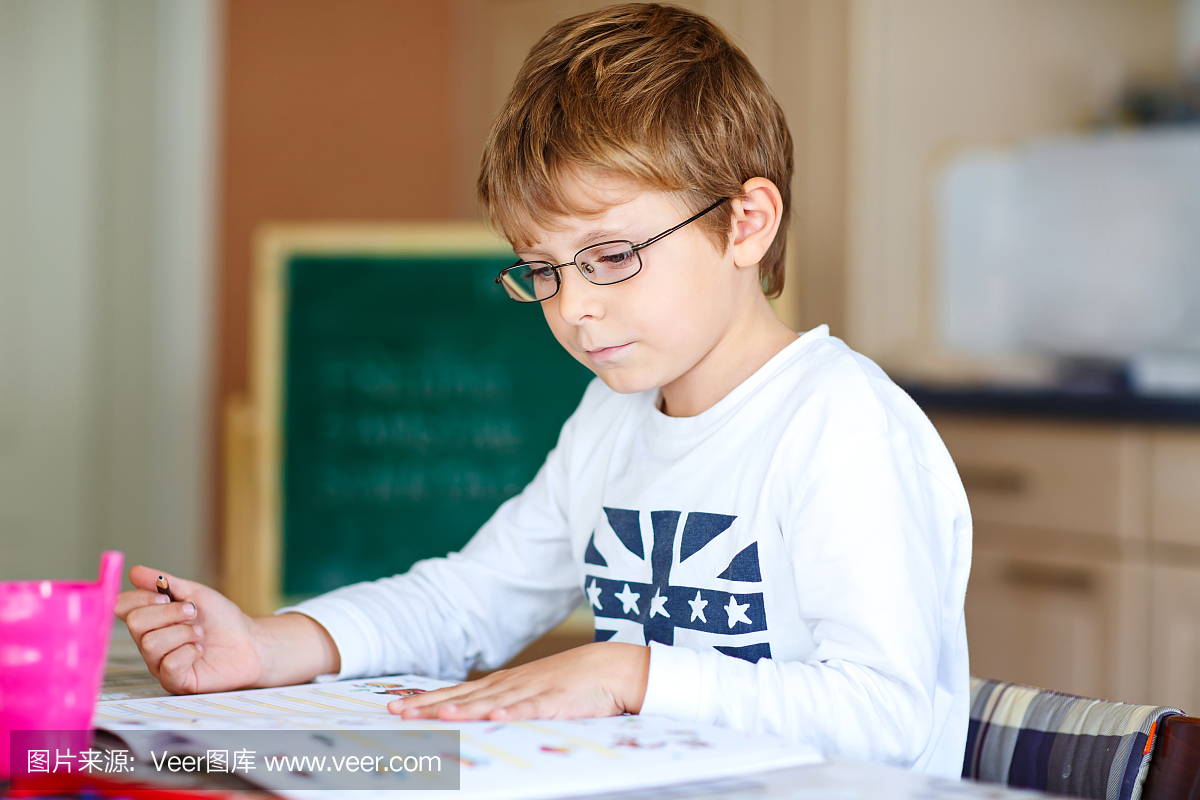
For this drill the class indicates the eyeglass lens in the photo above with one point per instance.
(529, 283)
(611, 262)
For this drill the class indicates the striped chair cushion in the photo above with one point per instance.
(1037, 739)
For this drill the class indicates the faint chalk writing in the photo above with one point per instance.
(386, 484)
(384, 378)
(421, 432)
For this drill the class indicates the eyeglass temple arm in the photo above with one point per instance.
(687, 221)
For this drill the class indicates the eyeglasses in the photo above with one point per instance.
(602, 264)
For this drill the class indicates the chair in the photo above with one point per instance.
(1175, 766)
(1037, 739)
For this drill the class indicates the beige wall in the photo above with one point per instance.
(927, 76)
(105, 229)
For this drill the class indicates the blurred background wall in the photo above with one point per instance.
(108, 166)
(930, 77)
(331, 112)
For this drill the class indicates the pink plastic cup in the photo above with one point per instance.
(53, 645)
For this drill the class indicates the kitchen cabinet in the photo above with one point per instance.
(1086, 571)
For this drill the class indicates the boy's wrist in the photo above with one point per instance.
(292, 648)
(635, 671)
(265, 645)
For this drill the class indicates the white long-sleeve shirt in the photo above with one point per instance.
(796, 557)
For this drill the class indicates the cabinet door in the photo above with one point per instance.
(1062, 622)
(1175, 637)
(1053, 476)
(1175, 487)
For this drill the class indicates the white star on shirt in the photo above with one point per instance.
(736, 612)
(628, 600)
(656, 605)
(698, 608)
(593, 593)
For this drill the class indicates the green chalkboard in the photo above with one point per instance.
(416, 398)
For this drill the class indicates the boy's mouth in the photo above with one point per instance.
(606, 353)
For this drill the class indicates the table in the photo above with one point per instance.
(836, 779)
(126, 676)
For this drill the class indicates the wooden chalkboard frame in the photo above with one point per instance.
(253, 436)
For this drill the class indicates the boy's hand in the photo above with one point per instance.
(204, 643)
(602, 679)
(200, 643)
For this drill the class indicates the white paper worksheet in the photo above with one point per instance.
(538, 759)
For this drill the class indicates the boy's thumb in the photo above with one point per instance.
(144, 577)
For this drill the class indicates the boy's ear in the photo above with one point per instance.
(756, 218)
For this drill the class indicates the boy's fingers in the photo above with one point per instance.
(475, 708)
(424, 699)
(144, 577)
(159, 643)
(415, 702)
(176, 668)
(146, 618)
(428, 712)
(136, 598)
(435, 696)
(419, 706)
(469, 705)
(530, 708)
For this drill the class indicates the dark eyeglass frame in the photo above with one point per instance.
(635, 248)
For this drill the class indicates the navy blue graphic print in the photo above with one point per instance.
(625, 525)
(751, 653)
(744, 566)
(661, 606)
(592, 555)
(700, 529)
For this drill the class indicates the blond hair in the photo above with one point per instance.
(648, 92)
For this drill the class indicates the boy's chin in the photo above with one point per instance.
(626, 381)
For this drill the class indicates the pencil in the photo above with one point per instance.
(165, 588)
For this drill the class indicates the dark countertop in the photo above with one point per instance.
(1056, 404)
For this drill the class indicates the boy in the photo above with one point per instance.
(769, 532)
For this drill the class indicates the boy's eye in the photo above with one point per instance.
(611, 258)
(616, 259)
(541, 273)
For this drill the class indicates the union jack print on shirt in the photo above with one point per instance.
(650, 598)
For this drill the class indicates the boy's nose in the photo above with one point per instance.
(577, 297)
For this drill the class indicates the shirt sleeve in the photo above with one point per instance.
(872, 545)
(478, 607)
